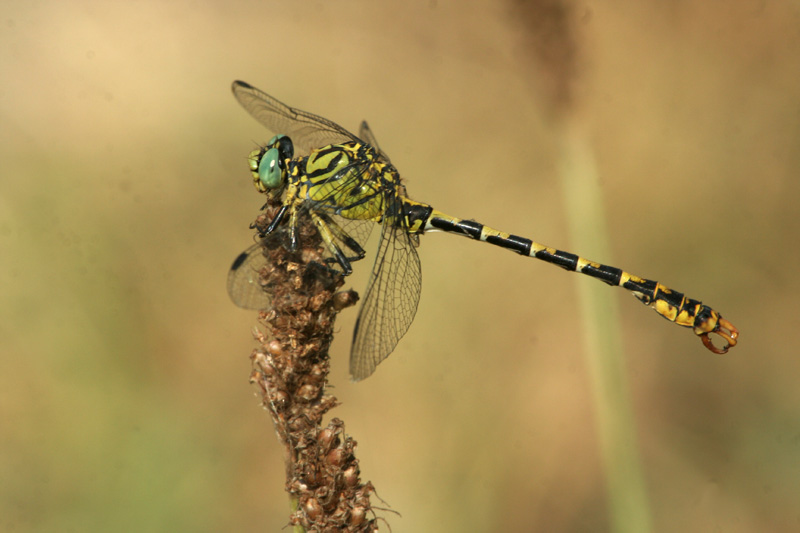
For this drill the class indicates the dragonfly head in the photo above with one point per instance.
(268, 164)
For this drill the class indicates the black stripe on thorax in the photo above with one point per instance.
(328, 170)
(362, 200)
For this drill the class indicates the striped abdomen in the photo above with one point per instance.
(670, 304)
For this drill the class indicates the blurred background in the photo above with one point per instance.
(125, 195)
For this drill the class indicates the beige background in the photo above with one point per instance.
(124, 196)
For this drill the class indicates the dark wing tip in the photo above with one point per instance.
(240, 259)
(238, 84)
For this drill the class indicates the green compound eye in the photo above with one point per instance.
(269, 169)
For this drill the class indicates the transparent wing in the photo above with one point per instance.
(243, 285)
(391, 300)
(344, 188)
(359, 230)
(338, 198)
(307, 131)
(347, 235)
(366, 134)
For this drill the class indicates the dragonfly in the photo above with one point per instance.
(347, 185)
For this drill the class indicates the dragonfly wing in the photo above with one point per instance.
(366, 134)
(243, 279)
(307, 131)
(390, 303)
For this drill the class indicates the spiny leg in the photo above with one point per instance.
(672, 305)
(328, 238)
(337, 231)
(275, 220)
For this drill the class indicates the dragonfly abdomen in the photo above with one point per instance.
(672, 305)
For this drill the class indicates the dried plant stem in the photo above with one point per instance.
(290, 369)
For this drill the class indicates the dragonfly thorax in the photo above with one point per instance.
(347, 179)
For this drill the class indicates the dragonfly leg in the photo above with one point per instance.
(293, 231)
(328, 238)
(347, 240)
(276, 220)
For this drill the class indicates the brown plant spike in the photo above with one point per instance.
(291, 370)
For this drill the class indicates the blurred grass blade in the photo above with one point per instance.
(629, 507)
